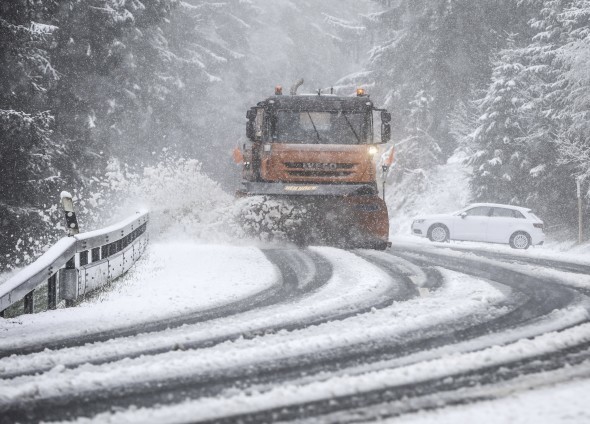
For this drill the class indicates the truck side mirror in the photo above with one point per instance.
(385, 127)
(251, 124)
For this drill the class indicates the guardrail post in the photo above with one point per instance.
(52, 292)
(68, 281)
(29, 303)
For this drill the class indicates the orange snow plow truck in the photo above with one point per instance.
(317, 153)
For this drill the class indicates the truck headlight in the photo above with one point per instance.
(373, 150)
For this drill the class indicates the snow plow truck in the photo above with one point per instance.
(310, 165)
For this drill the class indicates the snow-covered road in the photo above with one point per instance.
(283, 334)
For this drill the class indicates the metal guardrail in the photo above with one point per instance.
(75, 266)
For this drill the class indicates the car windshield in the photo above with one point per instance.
(332, 127)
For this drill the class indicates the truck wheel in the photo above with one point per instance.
(381, 246)
(520, 240)
(438, 233)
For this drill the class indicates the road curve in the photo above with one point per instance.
(344, 333)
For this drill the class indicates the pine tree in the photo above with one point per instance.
(574, 113)
(525, 130)
(32, 160)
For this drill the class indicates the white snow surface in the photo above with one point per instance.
(288, 394)
(561, 403)
(460, 299)
(171, 279)
(442, 189)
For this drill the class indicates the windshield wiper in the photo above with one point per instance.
(315, 129)
(350, 125)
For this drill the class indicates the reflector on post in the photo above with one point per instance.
(71, 220)
(389, 159)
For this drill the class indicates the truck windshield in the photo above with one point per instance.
(305, 127)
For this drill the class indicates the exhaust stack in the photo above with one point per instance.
(296, 86)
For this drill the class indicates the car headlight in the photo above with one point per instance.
(418, 221)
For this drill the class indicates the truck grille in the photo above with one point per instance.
(318, 169)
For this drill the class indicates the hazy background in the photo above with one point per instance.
(489, 99)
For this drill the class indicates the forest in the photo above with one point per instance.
(92, 89)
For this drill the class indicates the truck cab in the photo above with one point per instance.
(320, 139)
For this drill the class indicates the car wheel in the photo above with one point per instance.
(520, 240)
(438, 233)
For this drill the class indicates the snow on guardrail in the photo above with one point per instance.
(75, 266)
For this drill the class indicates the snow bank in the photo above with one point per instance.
(171, 279)
(442, 189)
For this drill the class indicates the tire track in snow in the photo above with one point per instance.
(179, 389)
(384, 297)
(545, 296)
(542, 304)
(301, 271)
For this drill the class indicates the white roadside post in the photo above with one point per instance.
(580, 218)
(71, 220)
(68, 276)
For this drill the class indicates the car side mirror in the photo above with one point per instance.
(385, 127)
(463, 214)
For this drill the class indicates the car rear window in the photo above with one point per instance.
(534, 216)
(506, 213)
(517, 214)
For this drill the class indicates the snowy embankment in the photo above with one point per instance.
(172, 279)
(442, 189)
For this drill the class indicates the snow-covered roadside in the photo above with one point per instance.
(170, 280)
(444, 189)
(470, 249)
(354, 284)
(578, 255)
(441, 189)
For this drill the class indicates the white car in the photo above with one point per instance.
(487, 222)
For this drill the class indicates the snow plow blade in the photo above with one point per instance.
(346, 216)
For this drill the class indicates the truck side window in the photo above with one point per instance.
(258, 122)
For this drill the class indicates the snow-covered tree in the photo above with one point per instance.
(442, 48)
(527, 132)
(574, 115)
(32, 159)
